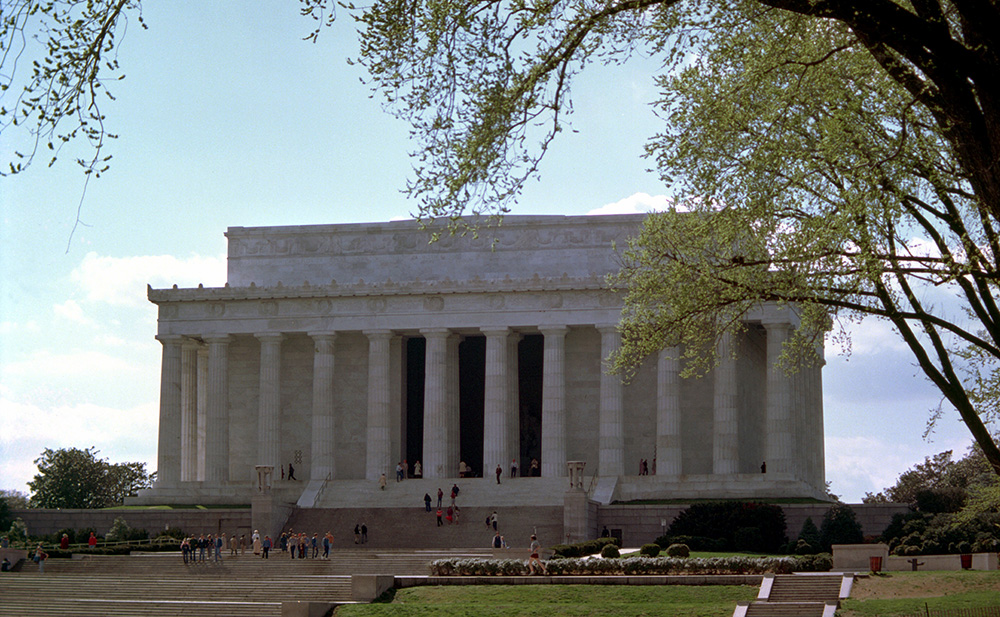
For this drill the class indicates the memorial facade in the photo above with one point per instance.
(341, 350)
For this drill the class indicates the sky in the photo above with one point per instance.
(227, 117)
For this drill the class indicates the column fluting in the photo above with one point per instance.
(269, 401)
(669, 449)
(611, 439)
(189, 412)
(496, 406)
(323, 436)
(725, 442)
(554, 402)
(436, 403)
(379, 439)
(168, 459)
(217, 411)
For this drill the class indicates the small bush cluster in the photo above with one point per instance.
(610, 551)
(582, 549)
(635, 566)
(678, 550)
(649, 550)
(923, 533)
(739, 525)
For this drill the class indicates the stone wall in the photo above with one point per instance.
(40, 521)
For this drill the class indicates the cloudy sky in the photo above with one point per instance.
(227, 118)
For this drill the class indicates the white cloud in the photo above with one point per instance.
(636, 203)
(122, 280)
(27, 429)
(55, 366)
(70, 310)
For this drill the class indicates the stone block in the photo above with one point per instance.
(857, 557)
(367, 587)
(306, 609)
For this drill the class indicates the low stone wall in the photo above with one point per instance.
(641, 524)
(857, 558)
(40, 521)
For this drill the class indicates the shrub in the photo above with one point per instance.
(809, 533)
(121, 532)
(840, 526)
(748, 539)
(610, 551)
(723, 519)
(582, 549)
(636, 565)
(18, 531)
(821, 562)
(804, 548)
(936, 500)
(678, 550)
(649, 550)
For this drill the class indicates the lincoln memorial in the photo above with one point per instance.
(342, 350)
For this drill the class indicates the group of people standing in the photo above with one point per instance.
(452, 513)
(205, 548)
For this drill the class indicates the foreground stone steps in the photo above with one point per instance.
(90, 607)
(805, 588)
(797, 595)
(787, 609)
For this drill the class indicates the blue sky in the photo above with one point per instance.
(227, 118)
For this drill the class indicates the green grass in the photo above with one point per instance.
(911, 593)
(169, 507)
(558, 601)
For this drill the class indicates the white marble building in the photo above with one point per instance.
(347, 348)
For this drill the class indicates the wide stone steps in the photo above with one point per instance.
(805, 589)
(413, 527)
(786, 609)
(92, 607)
(475, 492)
(797, 595)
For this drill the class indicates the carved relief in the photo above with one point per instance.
(216, 309)
(376, 305)
(433, 303)
(495, 301)
(323, 306)
(268, 308)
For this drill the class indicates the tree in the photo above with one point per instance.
(840, 526)
(74, 478)
(839, 156)
(938, 474)
(14, 499)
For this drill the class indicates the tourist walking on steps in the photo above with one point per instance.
(293, 544)
(291, 472)
(439, 521)
(493, 520)
(513, 468)
(39, 558)
(255, 539)
(220, 541)
(499, 473)
(534, 559)
(427, 501)
(364, 533)
(185, 549)
(266, 547)
(357, 533)
(381, 482)
(326, 546)
(440, 496)
(314, 543)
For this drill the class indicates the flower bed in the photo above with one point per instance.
(631, 566)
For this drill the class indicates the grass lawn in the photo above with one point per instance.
(558, 601)
(907, 593)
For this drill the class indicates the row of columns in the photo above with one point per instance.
(194, 446)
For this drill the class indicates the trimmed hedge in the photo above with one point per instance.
(649, 550)
(741, 525)
(635, 566)
(582, 549)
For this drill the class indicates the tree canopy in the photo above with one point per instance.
(839, 156)
(75, 478)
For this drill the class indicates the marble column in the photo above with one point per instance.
(269, 403)
(189, 412)
(217, 411)
(452, 446)
(322, 459)
(554, 402)
(778, 426)
(725, 442)
(816, 420)
(611, 439)
(496, 407)
(669, 450)
(436, 404)
(202, 410)
(514, 402)
(168, 460)
(379, 438)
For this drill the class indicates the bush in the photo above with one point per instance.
(936, 500)
(610, 551)
(809, 533)
(121, 532)
(748, 539)
(678, 550)
(840, 526)
(723, 519)
(582, 549)
(921, 533)
(804, 548)
(18, 531)
(636, 566)
(649, 550)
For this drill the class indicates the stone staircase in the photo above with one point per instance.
(413, 527)
(161, 585)
(475, 492)
(798, 595)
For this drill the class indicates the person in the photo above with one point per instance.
(185, 549)
(399, 472)
(4, 542)
(439, 521)
(513, 468)
(357, 533)
(283, 542)
(234, 546)
(463, 469)
(497, 541)
(255, 539)
(291, 472)
(763, 467)
(293, 544)
(64, 542)
(266, 546)
(454, 491)
(457, 512)
(303, 545)
(493, 520)
(202, 547)
(535, 470)
(499, 472)
(449, 514)
(427, 502)
(534, 559)
(381, 482)
(418, 470)
(364, 533)
(40, 557)
(440, 495)
(243, 544)
(315, 545)
(92, 540)
(326, 546)
(605, 533)
(220, 541)
(406, 470)
(5, 564)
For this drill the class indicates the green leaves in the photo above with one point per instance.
(74, 478)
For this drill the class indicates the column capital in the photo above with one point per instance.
(274, 337)
(605, 328)
(379, 334)
(495, 331)
(776, 324)
(553, 330)
(173, 339)
(217, 339)
(326, 335)
(435, 332)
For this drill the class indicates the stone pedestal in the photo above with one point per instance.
(579, 519)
